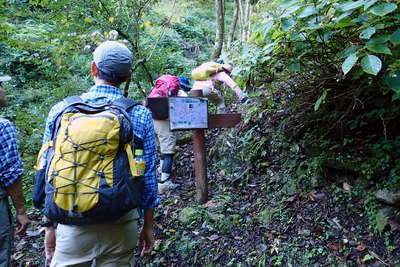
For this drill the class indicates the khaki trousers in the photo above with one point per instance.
(166, 138)
(108, 245)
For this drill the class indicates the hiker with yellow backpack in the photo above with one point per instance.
(209, 77)
(88, 180)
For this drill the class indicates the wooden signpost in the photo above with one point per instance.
(191, 113)
(199, 147)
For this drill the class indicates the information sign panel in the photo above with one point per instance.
(188, 113)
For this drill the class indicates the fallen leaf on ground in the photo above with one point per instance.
(157, 244)
(18, 256)
(347, 187)
(361, 247)
(213, 237)
(275, 247)
(394, 225)
(315, 196)
(291, 199)
(209, 204)
(334, 246)
(269, 235)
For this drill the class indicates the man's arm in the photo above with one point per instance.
(143, 127)
(11, 171)
(17, 195)
(146, 238)
(50, 233)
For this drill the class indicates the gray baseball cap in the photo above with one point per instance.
(113, 58)
(5, 78)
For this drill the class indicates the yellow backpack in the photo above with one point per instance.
(89, 173)
(206, 70)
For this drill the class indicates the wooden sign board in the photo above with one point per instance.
(187, 113)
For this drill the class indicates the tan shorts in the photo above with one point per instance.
(166, 138)
(105, 245)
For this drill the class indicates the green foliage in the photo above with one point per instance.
(325, 79)
(298, 35)
(46, 47)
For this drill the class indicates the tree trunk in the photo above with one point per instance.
(242, 17)
(232, 29)
(245, 12)
(219, 35)
(248, 13)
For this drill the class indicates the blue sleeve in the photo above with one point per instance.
(11, 168)
(143, 128)
(50, 120)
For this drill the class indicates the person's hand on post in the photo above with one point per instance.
(49, 242)
(146, 241)
(23, 222)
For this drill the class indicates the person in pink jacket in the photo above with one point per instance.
(211, 87)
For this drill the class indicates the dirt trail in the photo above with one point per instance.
(250, 222)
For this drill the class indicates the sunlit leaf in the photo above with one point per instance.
(368, 4)
(383, 9)
(344, 15)
(287, 24)
(88, 20)
(371, 64)
(349, 63)
(350, 5)
(267, 27)
(291, 10)
(308, 11)
(367, 33)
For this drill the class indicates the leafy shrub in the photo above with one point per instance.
(328, 70)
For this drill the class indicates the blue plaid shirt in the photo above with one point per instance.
(11, 168)
(143, 128)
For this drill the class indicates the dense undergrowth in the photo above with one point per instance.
(324, 79)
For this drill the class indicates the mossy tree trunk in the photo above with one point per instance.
(219, 36)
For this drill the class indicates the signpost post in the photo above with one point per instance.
(199, 147)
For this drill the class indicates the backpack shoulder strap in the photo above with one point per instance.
(75, 99)
(125, 103)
